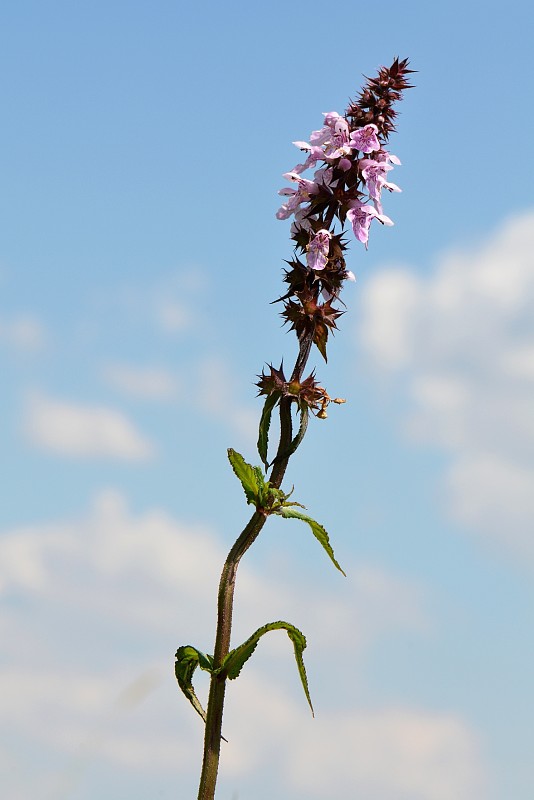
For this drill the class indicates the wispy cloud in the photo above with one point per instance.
(172, 316)
(204, 385)
(70, 429)
(23, 332)
(385, 754)
(217, 398)
(175, 296)
(462, 340)
(143, 382)
(170, 304)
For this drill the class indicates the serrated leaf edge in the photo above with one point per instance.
(320, 533)
(191, 660)
(236, 658)
(246, 475)
(265, 423)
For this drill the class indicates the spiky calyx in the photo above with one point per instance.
(375, 103)
(329, 281)
(309, 317)
(305, 393)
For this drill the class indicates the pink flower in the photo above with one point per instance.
(334, 126)
(296, 196)
(360, 216)
(304, 190)
(334, 120)
(301, 222)
(315, 155)
(317, 250)
(328, 143)
(374, 174)
(337, 145)
(324, 175)
(383, 155)
(365, 139)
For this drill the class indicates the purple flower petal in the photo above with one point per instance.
(365, 139)
(317, 250)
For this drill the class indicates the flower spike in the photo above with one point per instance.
(351, 166)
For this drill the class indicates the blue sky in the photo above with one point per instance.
(140, 156)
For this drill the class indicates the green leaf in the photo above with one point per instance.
(234, 661)
(246, 474)
(304, 417)
(275, 497)
(318, 531)
(260, 477)
(265, 422)
(188, 658)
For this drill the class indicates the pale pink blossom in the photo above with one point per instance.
(383, 155)
(333, 119)
(360, 217)
(301, 222)
(328, 143)
(365, 139)
(337, 146)
(324, 175)
(317, 250)
(334, 126)
(301, 194)
(315, 155)
(374, 174)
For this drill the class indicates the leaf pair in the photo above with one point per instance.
(260, 493)
(258, 490)
(188, 658)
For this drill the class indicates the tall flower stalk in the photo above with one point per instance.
(351, 167)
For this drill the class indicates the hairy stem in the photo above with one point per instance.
(214, 714)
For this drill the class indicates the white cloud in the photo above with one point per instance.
(389, 302)
(394, 753)
(462, 340)
(24, 332)
(429, 756)
(93, 609)
(487, 487)
(217, 398)
(172, 316)
(69, 429)
(174, 298)
(68, 709)
(148, 383)
(175, 565)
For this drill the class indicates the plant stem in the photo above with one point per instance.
(212, 739)
(214, 714)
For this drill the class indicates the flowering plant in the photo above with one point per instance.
(352, 166)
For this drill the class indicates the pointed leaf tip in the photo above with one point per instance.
(236, 658)
(318, 531)
(188, 658)
(247, 474)
(265, 422)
